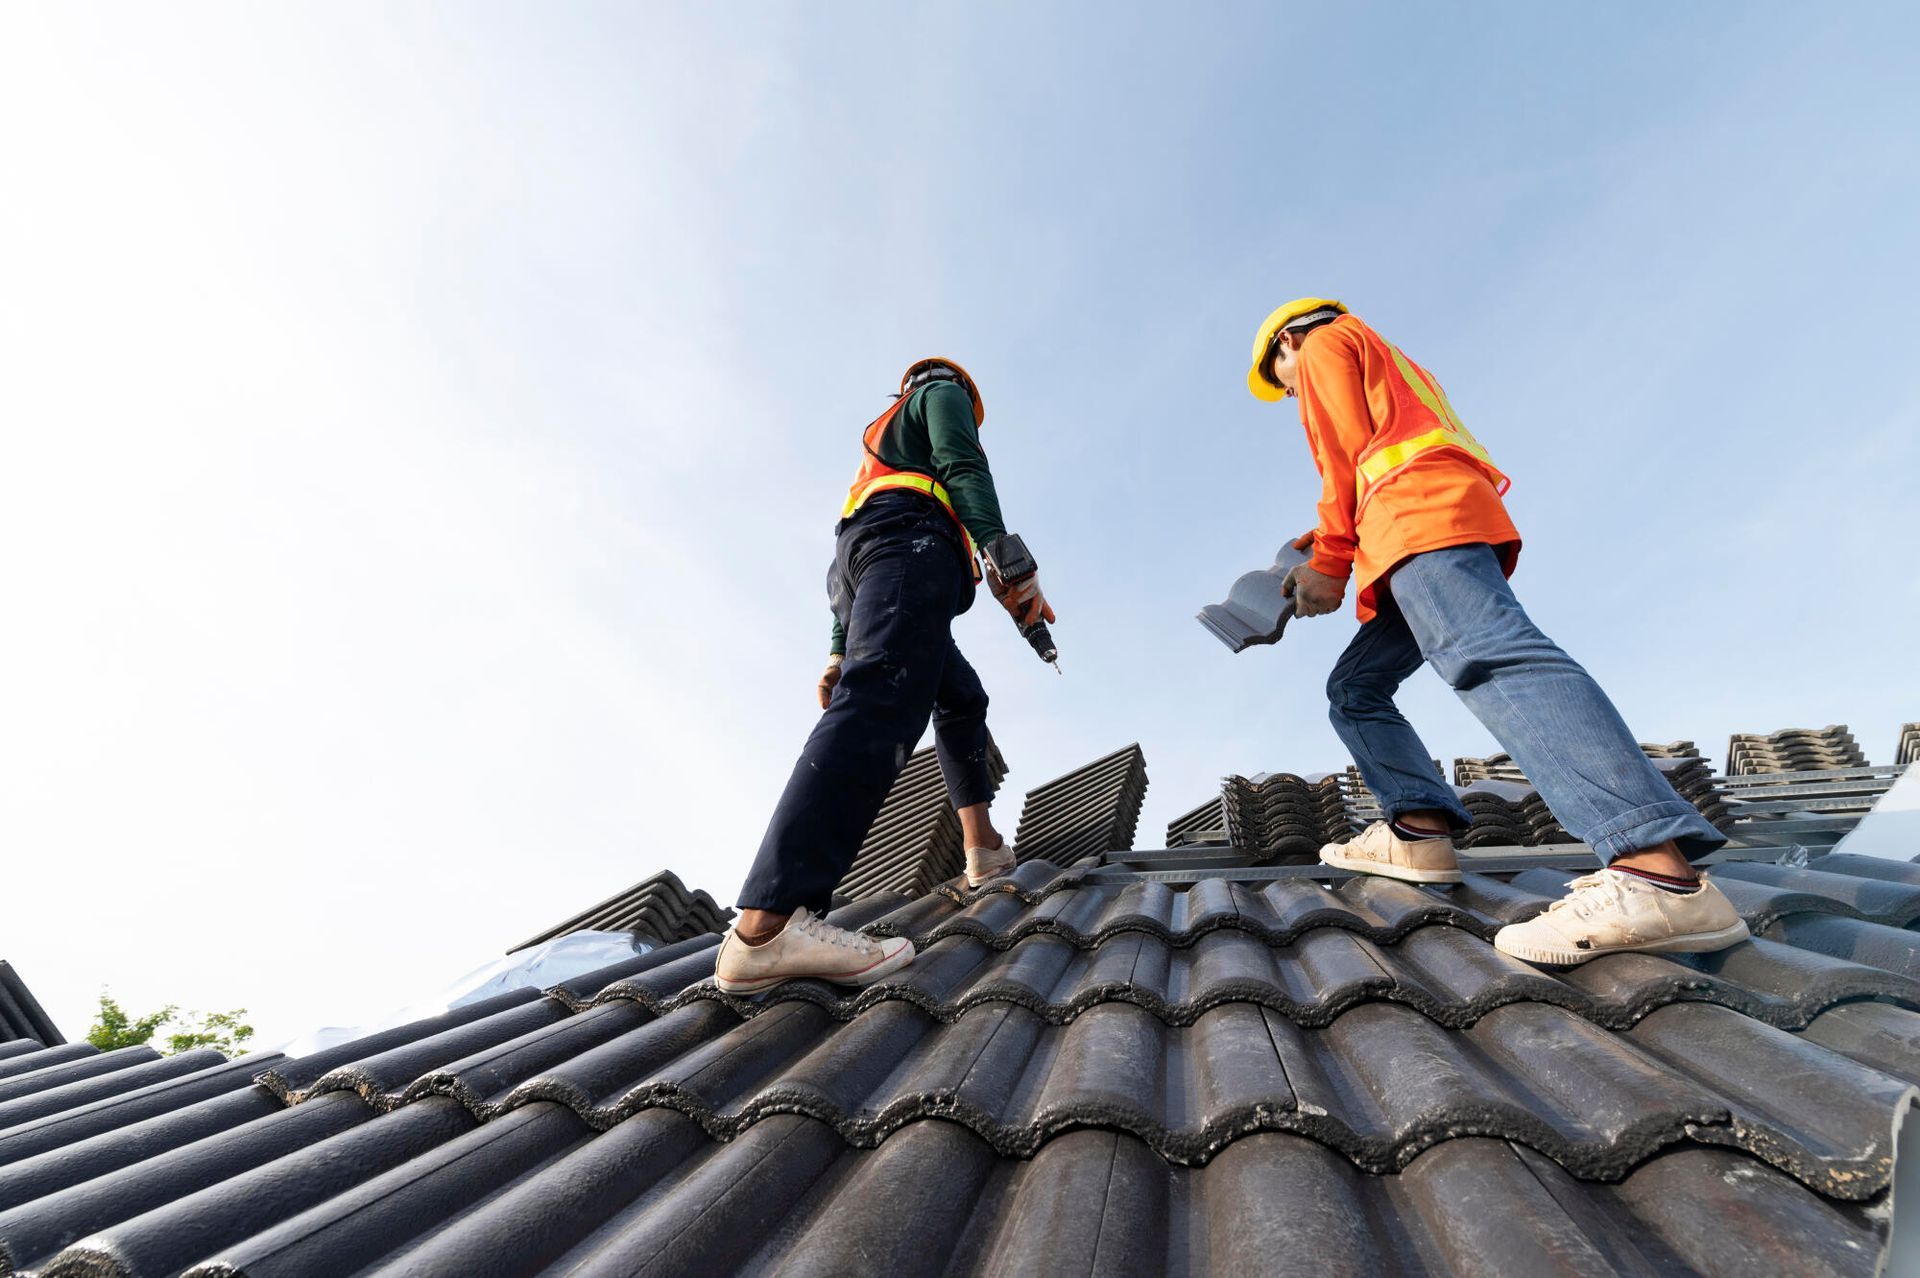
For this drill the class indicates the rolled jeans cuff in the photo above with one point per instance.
(1654, 824)
(1431, 800)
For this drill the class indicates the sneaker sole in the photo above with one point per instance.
(990, 876)
(884, 968)
(1689, 943)
(1405, 873)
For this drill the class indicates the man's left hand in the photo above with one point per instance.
(1314, 594)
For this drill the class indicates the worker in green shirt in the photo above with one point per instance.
(905, 565)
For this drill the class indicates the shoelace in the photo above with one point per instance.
(821, 930)
(1588, 890)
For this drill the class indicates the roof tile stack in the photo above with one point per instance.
(1501, 767)
(1206, 823)
(1679, 761)
(1285, 817)
(660, 909)
(1508, 814)
(21, 1015)
(1692, 777)
(1909, 748)
(915, 841)
(1793, 750)
(1089, 810)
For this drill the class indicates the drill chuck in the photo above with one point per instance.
(1042, 640)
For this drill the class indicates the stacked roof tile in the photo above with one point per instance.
(1793, 750)
(1088, 811)
(1104, 1077)
(1508, 813)
(21, 1015)
(1206, 823)
(1689, 774)
(658, 909)
(1908, 750)
(1285, 818)
(915, 841)
(1501, 767)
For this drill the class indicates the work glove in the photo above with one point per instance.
(830, 680)
(1303, 542)
(1314, 594)
(1025, 602)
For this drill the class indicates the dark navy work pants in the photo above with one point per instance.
(902, 558)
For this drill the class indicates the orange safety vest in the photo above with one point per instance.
(876, 476)
(1431, 425)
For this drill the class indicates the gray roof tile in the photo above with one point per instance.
(1077, 1073)
(21, 1016)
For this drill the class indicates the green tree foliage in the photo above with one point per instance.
(116, 1027)
(224, 1030)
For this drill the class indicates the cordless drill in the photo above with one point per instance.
(1010, 560)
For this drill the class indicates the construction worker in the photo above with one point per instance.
(1411, 511)
(904, 566)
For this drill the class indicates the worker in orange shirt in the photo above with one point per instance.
(1411, 512)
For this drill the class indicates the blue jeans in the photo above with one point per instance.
(901, 560)
(1453, 609)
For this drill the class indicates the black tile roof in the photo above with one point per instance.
(21, 1015)
(1150, 1073)
(1183, 1075)
(656, 909)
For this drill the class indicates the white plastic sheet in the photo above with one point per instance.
(537, 967)
(1892, 828)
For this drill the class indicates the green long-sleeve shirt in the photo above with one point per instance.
(935, 434)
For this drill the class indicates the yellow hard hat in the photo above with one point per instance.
(1262, 386)
(916, 375)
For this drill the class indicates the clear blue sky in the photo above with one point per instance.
(424, 425)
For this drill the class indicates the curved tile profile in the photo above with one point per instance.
(1596, 1102)
(1274, 913)
(1891, 949)
(185, 1227)
(654, 1196)
(1073, 1074)
(1878, 900)
(1446, 973)
(34, 1232)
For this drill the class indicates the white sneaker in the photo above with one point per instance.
(1378, 850)
(808, 946)
(988, 863)
(1608, 912)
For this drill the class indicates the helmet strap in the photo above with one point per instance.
(932, 373)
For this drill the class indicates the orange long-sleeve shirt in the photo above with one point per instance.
(1399, 473)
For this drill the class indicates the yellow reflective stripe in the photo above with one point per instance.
(1454, 434)
(1394, 456)
(1378, 465)
(1431, 395)
(919, 484)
